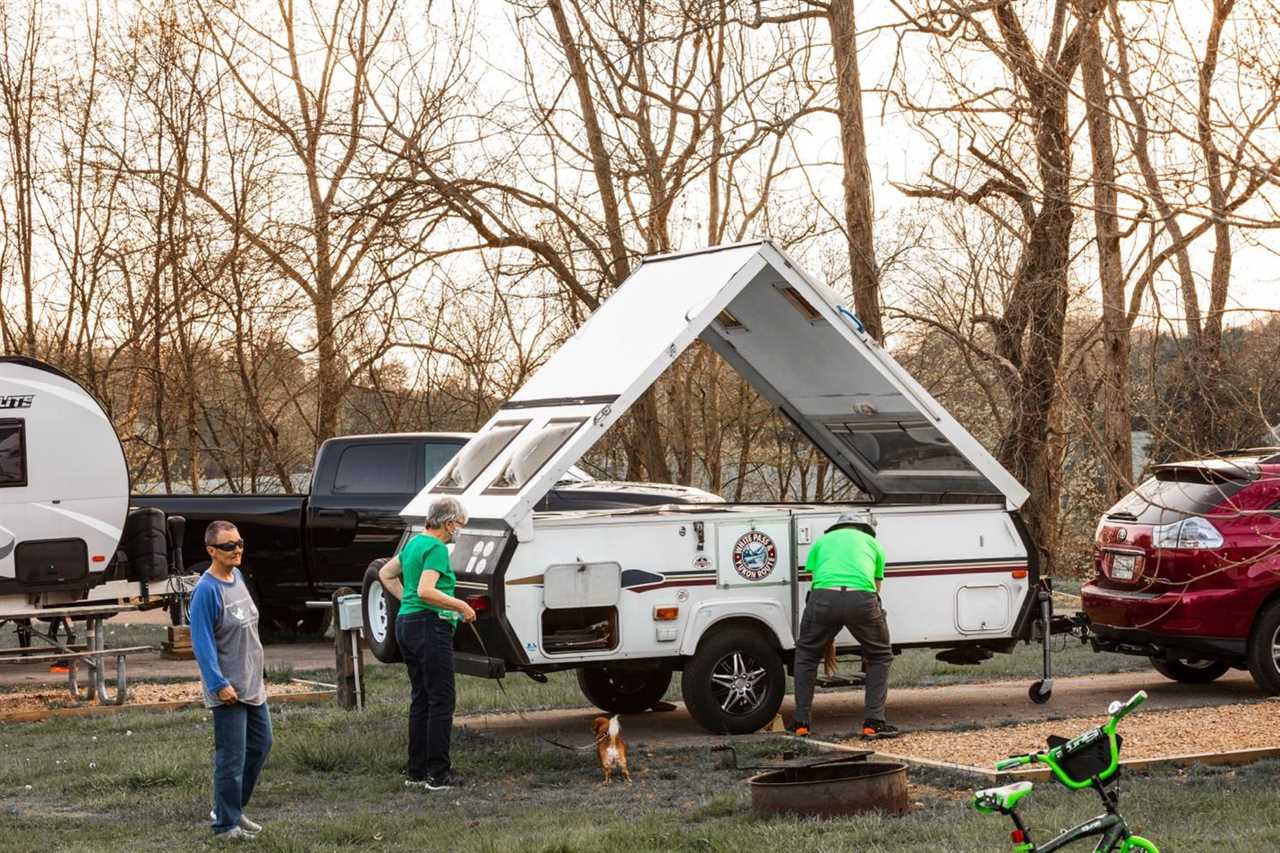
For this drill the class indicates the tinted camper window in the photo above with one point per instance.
(13, 453)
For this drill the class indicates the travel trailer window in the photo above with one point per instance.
(476, 456)
(529, 459)
(901, 447)
(13, 453)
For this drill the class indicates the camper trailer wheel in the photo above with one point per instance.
(1038, 694)
(623, 690)
(380, 609)
(735, 682)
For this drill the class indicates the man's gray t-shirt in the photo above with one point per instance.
(224, 635)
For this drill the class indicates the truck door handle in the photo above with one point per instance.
(333, 513)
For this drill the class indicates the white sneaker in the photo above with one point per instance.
(232, 835)
(249, 826)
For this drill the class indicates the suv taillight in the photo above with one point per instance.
(1193, 534)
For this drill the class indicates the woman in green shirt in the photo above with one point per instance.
(429, 614)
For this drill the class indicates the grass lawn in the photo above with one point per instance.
(140, 781)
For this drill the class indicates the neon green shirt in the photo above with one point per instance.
(846, 557)
(425, 553)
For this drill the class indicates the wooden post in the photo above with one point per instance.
(348, 648)
(178, 644)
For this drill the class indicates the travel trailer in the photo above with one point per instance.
(627, 597)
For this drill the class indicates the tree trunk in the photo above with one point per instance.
(859, 211)
(1115, 328)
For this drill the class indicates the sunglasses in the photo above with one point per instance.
(237, 545)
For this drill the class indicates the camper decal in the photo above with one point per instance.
(16, 401)
(754, 555)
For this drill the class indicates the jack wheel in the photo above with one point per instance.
(1037, 694)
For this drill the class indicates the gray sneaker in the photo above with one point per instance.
(232, 835)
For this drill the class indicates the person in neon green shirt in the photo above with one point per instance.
(847, 564)
(429, 614)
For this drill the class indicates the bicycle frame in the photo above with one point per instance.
(1110, 825)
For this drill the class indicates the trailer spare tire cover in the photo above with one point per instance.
(380, 609)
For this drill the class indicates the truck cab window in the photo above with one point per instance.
(437, 455)
(375, 469)
(13, 453)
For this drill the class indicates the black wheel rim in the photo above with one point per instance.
(739, 684)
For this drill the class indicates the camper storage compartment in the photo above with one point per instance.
(581, 607)
(49, 562)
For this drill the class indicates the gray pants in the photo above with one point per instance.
(825, 613)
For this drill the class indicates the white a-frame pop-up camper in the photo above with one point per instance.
(65, 524)
(716, 592)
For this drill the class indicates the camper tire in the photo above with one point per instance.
(380, 609)
(624, 690)
(760, 676)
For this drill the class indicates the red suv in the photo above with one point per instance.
(1188, 570)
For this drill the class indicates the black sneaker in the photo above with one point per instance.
(798, 728)
(878, 730)
(446, 780)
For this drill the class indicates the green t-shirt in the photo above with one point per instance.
(846, 557)
(424, 553)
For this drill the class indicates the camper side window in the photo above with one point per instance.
(13, 453)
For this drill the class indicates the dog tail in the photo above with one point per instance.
(614, 726)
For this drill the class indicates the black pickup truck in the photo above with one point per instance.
(303, 547)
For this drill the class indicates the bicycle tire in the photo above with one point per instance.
(1137, 842)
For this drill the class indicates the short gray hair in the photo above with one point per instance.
(215, 527)
(444, 510)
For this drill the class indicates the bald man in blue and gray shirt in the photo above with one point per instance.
(224, 635)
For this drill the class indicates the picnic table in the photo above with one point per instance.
(94, 654)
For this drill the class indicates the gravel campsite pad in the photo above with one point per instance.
(139, 694)
(1153, 734)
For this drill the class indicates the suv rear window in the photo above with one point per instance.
(1174, 494)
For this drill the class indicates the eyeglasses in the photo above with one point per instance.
(237, 545)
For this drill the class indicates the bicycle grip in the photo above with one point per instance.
(1134, 701)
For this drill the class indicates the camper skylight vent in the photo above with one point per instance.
(801, 304)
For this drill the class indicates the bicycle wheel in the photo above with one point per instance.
(1137, 842)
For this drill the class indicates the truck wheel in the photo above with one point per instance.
(618, 690)
(1264, 650)
(1191, 670)
(734, 682)
(380, 609)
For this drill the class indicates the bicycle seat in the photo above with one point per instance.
(1002, 799)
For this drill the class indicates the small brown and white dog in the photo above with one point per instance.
(610, 747)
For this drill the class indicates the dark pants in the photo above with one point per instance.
(241, 741)
(426, 642)
(825, 613)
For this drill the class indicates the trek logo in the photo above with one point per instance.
(16, 401)
(754, 556)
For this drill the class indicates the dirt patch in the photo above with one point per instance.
(139, 694)
(1154, 734)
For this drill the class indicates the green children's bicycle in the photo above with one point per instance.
(1091, 760)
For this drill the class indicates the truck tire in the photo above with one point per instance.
(1264, 650)
(1191, 670)
(735, 681)
(380, 609)
(619, 690)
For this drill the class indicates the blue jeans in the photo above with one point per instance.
(241, 741)
(426, 642)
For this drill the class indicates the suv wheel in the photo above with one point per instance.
(380, 609)
(1264, 650)
(735, 682)
(620, 690)
(1191, 670)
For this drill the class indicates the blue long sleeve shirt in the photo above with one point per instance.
(224, 636)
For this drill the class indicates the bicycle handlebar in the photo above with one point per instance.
(1134, 701)
(1014, 761)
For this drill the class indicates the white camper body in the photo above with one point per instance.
(717, 591)
(64, 492)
